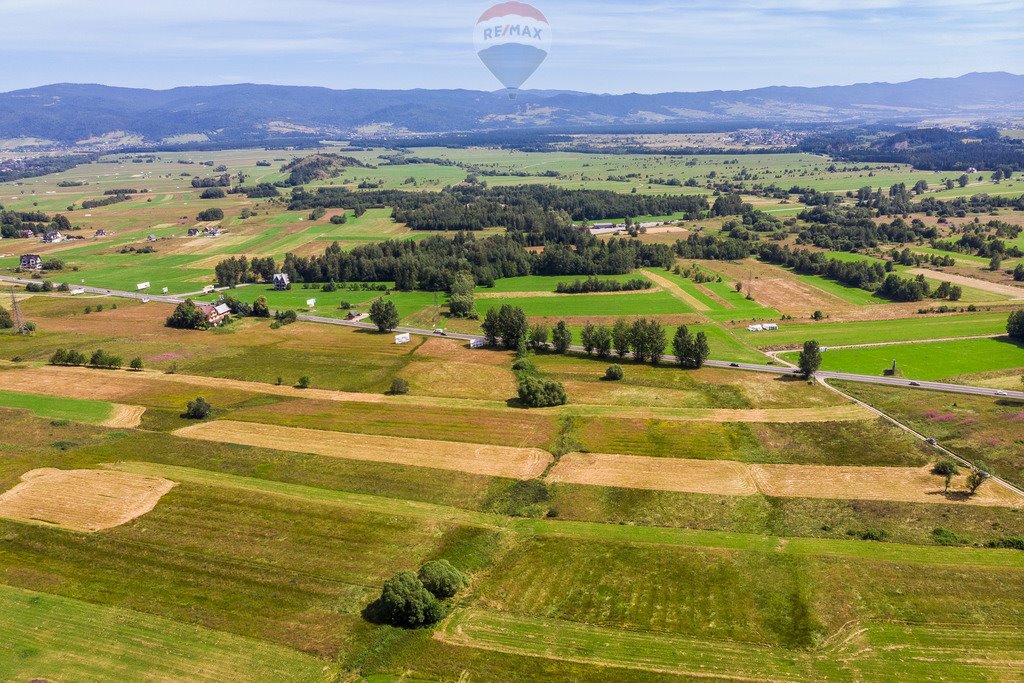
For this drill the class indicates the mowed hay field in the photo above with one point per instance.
(83, 500)
(461, 457)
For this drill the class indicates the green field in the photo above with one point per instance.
(568, 305)
(928, 361)
(71, 639)
(880, 331)
(64, 409)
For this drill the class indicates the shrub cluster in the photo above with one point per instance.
(412, 600)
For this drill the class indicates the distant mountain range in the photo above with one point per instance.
(99, 117)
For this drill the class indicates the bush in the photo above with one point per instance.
(1012, 543)
(303, 382)
(213, 193)
(198, 409)
(210, 215)
(442, 579)
(187, 316)
(944, 536)
(102, 359)
(405, 601)
(286, 318)
(260, 308)
(541, 393)
(136, 364)
(6, 322)
(68, 357)
(614, 373)
(399, 387)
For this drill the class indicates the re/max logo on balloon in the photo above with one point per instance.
(512, 39)
(514, 31)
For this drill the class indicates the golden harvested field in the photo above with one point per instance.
(906, 484)
(901, 484)
(717, 477)
(793, 297)
(82, 500)
(498, 461)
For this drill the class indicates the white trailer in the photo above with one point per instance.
(403, 338)
(142, 285)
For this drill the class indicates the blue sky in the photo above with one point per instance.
(599, 46)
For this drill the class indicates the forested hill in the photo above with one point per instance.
(70, 113)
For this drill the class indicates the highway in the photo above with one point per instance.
(749, 367)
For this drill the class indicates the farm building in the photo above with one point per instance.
(755, 328)
(151, 238)
(101, 233)
(193, 232)
(31, 262)
(281, 281)
(53, 237)
(26, 234)
(770, 327)
(215, 314)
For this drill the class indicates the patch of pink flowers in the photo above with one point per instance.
(165, 356)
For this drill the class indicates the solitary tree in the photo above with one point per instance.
(978, 476)
(260, 308)
(384, 314)
(587, 337)
(622, 339)
(136, 364)
(810, 359)
(947, 469)
(561, 337)
(603, 341)
(405, 601)
(461, 303)
(198, 409)
(539, 337)
(1015, 324)
(399, 387)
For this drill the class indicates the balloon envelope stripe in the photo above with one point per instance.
(513, 8)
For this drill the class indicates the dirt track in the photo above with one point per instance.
(125, 417)
(973, 283)
(495, 461)
(82, 500)
(676, 291)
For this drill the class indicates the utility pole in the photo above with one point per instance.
(18, 318)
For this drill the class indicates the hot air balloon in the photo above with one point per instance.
(512, 39)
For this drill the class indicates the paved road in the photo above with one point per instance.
(750, 367)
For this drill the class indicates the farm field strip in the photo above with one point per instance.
(77, 409)
(858, 332)
(598, 531)
(648, 651)
(75, 382)
(60, 638)
(723, 477)
(499, 461)
(869, 651)
(929, 361)
(1000, 290)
